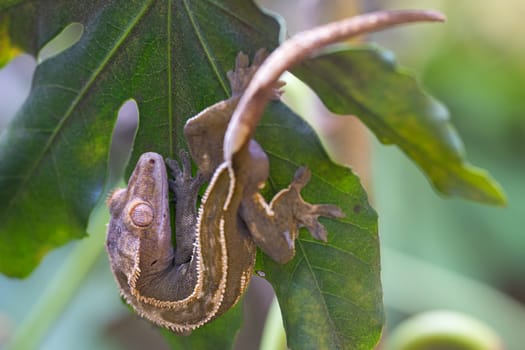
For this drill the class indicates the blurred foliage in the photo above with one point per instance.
(475, 66)
(481, 79)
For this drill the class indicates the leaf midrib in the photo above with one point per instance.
(319, 291)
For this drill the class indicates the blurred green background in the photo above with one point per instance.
(438, 253)
(443, 253)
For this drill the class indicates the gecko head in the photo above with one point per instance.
(140, 220)
(145, 199)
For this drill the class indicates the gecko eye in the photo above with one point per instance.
(141, 214)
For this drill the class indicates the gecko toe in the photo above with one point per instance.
(307, 215)
(174, 167)
(319, 231)
(301, 178)
(243, 72)
(259, 57)
(311, 223)
(186, 164)
(329, 211)
(241, 61)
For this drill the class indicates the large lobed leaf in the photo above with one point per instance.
(172, 61)
(368, 83)
(171, 57)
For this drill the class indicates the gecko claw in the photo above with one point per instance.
(241, 61)
(186, 164)
(301, 178)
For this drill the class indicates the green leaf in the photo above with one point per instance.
(368, 83)
(172, 60)
(330, 293)
(171, 57)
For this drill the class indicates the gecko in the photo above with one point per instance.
(185, 287)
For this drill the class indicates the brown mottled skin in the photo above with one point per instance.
(205, 276)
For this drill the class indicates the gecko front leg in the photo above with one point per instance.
(185, 190)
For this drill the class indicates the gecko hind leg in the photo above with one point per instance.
(274, 227)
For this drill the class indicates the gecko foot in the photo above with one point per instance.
(308, 214)
(243, 73)
(183, 183)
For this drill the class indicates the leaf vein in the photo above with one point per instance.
(170, 86)
(57, 174)
(59, 87)
(205, 47)
(338, 249)
(236, 16)
(292, 273)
